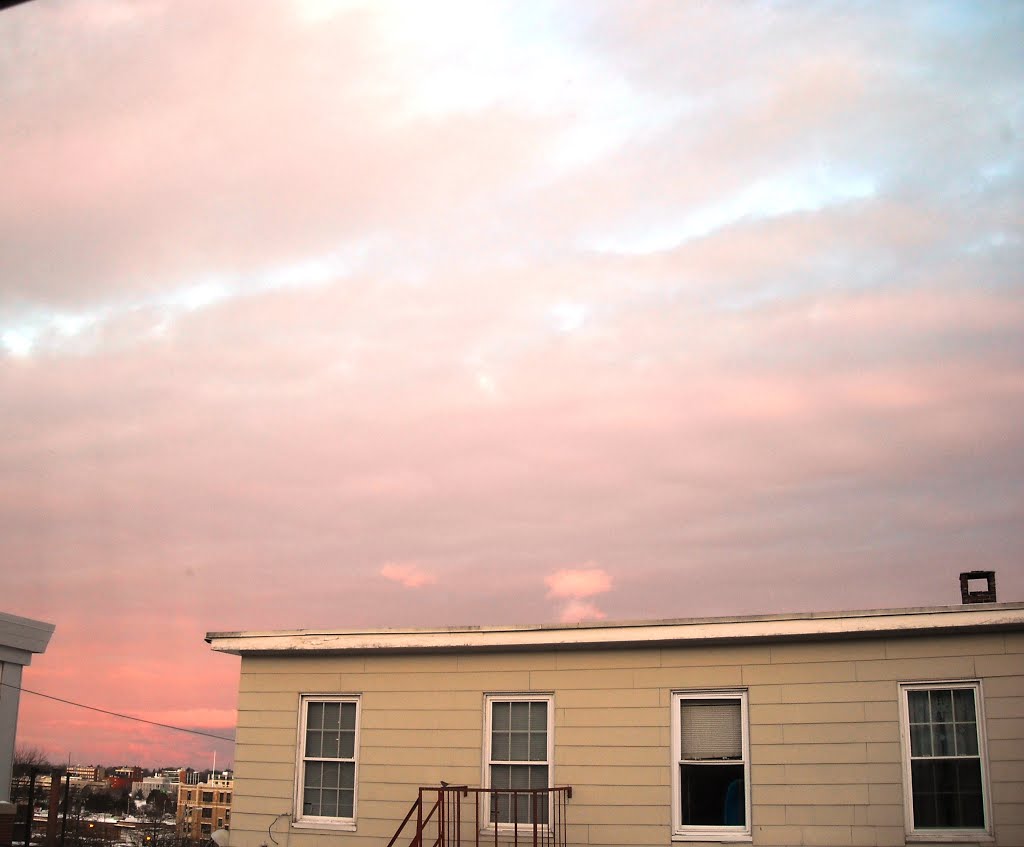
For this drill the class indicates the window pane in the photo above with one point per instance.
(500, 715)
(316, 716)
(710, 729)
(942, 739)
(347, 775)
(520, 776)
(538, 716)
(963, 706)
(314, 774)
(330, 774)
(942, 706)
(520, 716)
(329, 804)
(331, 744)
(966, 739)
(311, 801)
(918, 703)
(500, 746)
(346, 802)
(348, 716)
(921, 740)
(712, 795)
(332, 712)
(538, 747)
(519, 745)
(313, 742)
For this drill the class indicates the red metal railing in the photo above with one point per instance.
(459, 816)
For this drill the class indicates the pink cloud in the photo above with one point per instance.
(579, 610)
(579, 582)
(407, 574)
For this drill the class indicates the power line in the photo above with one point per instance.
(116, 714)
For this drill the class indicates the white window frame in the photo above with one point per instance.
(485, 781)
(319, 821)
(709, 833)
(944, 835)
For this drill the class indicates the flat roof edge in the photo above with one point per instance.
(606, 635)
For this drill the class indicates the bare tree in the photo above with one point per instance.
(27, 759)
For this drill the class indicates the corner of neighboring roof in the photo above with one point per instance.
(24, 634)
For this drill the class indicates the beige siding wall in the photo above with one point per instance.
(824, 734)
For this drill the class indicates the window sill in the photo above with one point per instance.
(961, 836)
(329, 825)
(716, 837)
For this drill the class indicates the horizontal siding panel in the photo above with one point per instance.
(922, 647)
(781, 754)
(827, 651)
(838, 733)
(783, 674)
(788, 714)
(319, 683)
(689, 678)
(721, 655)
(625, 698)
(613, 717)
(605, 659)
(654, 755)
(910, 670)
(438, 682)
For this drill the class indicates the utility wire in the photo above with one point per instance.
(116, 714)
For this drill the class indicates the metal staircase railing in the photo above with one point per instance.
(461, 816)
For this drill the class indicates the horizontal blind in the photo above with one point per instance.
(710, 729)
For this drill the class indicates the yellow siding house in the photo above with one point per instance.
(884, 727)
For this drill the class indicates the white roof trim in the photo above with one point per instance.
(828, 625)
(24, 634)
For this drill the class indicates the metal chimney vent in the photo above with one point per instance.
(978, 595)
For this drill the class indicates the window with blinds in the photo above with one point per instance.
(711, 772)
(518, 756)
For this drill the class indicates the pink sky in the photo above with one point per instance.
(353, 314)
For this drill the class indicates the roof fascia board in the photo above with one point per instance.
(1004, 616)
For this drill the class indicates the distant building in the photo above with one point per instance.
(165, 784)
(19, 639)
(203, 808)
(90, 773)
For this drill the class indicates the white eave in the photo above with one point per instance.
(21, 637)
(813, 626)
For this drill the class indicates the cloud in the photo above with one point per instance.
(409, 575)
(710, 288)
(575, 584)
(578, 582)
(580, 610)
